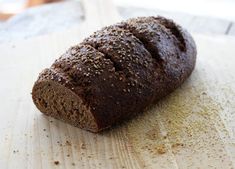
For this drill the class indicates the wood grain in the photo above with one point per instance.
(191, 128)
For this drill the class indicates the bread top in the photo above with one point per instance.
(123, 68)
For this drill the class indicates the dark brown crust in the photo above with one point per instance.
(122, 69)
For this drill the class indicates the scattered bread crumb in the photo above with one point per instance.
(83, 146)
(204, 93)
(161, 149)
(68, 143)
(177, 145)
(56, 162)
(15, 151)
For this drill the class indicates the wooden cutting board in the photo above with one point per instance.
(194, 127)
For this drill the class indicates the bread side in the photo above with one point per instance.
(116, 73)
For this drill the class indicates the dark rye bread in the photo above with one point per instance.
(116, 73)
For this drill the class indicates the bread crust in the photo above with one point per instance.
(120, 70)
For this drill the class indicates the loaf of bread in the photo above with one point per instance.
(116, 73)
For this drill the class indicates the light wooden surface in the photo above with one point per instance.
(58, 17)
(194, 127)
(197, 24)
